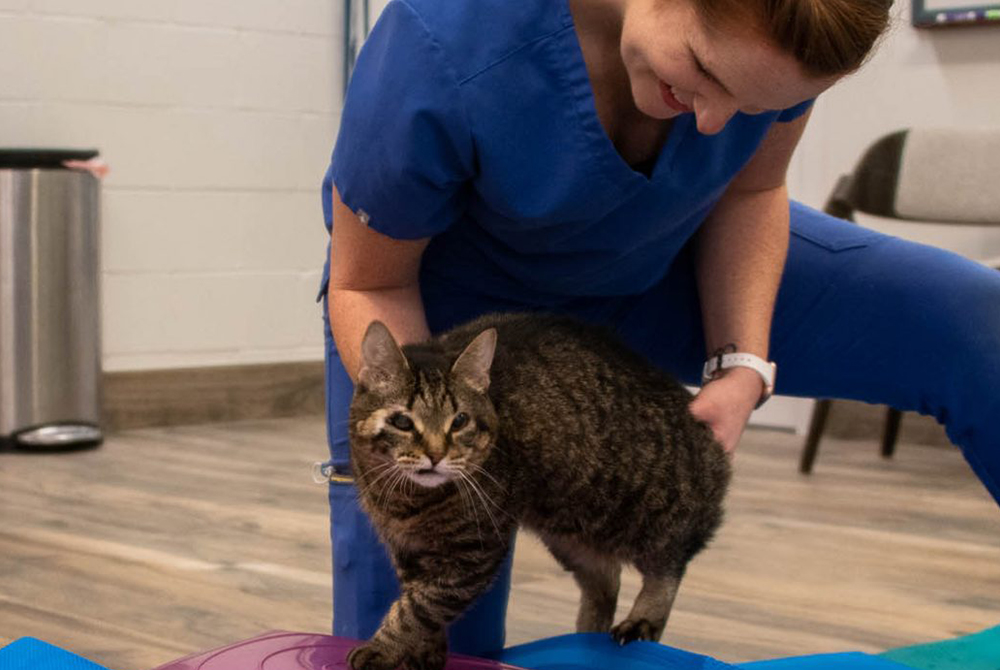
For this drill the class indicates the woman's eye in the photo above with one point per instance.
(460, 421)
(705, 73)
(401, 422)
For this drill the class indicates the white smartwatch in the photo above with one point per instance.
(766, 369)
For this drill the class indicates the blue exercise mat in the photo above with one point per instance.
(597, 651)
(27, 653)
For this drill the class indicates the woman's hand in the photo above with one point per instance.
(726, 402)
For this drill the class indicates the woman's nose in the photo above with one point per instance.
(712, 116)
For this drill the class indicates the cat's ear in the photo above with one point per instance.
(473, 365)
(382, 361)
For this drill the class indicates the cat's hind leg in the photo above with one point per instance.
(652, 607)
(599, 578)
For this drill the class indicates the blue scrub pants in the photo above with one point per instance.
(859, 315)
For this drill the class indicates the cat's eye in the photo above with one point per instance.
(460, 421)
(400, 421)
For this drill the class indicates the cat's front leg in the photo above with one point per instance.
(432, 656)
(436, 588)
(412, 636)
(375, 655)
(384, 653)
(386, 650)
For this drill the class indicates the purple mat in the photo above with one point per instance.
(281, 650)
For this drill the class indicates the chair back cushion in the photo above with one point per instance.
(949, 174)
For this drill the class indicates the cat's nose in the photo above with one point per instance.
(434, 447)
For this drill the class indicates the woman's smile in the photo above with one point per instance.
(667, 92)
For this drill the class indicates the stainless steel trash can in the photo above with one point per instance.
(50, 342)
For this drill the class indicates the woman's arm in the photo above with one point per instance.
(740, 255)
(372, 276)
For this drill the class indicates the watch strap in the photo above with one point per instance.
(766, 369)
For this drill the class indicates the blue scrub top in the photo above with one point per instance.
(473, 121)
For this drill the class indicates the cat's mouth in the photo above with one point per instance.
(428, 477)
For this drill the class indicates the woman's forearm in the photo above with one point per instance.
(372, 277)
(400, 309)
(741, 252)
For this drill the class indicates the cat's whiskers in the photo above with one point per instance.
(379, 493)
(455, 465)
(397, 485)
(480, 469)
(486, 503)
(464, 478)
(489, 499)
(401, 487)
(407, 486)
(384, 469)
(369, 486)
(390, 492)
(468, 504)
(385, 494)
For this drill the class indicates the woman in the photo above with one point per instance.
(624, 161)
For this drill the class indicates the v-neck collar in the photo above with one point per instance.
(613, 163)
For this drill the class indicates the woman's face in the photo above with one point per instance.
(677, 64)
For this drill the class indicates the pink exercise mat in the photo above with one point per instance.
(281, 650)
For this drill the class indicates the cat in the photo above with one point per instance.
(533, 420)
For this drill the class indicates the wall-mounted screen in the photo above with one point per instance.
(940, 13)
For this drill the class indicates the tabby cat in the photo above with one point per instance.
(526, 420)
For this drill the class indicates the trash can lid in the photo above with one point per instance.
(42, 158)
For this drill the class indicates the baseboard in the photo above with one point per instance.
(147, 398)
(852, 420)
(784, 413)
(848, 420)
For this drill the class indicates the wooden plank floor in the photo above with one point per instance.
(168, 541)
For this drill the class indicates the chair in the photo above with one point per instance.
(936, 186)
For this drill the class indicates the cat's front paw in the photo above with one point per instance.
(637, 629)
(373, 657)
(427, 659)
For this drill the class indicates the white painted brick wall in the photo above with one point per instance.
(217, 119)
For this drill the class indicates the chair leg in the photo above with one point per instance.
(820, 413)
(891, 432)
